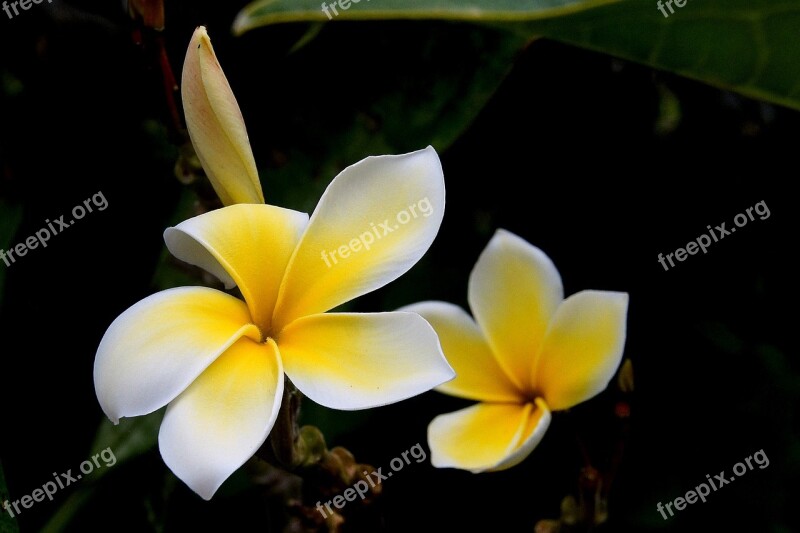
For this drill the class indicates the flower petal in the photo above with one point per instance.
(224, 417)
(246, 245)
(514, 290)
(487, 436)
(373, 223)
(531, 435)
(357, 361)
(478, 376)
(155, 349)
(216, 126)
(583, 348)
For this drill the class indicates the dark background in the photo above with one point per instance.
(574, 152)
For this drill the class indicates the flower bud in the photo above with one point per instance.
(216, 126)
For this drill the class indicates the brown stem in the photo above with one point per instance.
(284, 435)
(171, 90)
(623, 414)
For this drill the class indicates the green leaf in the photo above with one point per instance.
(7, 524)
(749, 46)
(265, 12)
(127, 440)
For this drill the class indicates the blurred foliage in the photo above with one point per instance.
(7, 524)
(749, 46)
(266, 12)
(127, 440)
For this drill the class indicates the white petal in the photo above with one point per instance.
(514, 290)
(155, 349)
(248, 245)
(357, 361)
(487, 436)
(224, 417)
(530, 437)
(374, 222)
(583, 348)
(478, 375)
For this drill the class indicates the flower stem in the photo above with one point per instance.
(284, 435)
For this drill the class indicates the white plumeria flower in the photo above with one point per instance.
(527, 352)
(218, 362)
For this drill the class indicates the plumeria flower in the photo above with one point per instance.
(528, 352)
(218, 362)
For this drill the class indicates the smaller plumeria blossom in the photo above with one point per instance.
(527, 352)
(217, 361)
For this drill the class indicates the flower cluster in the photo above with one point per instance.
(219, 363)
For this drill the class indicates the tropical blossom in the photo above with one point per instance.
(217, 361)
(527, 352)
(216, 125)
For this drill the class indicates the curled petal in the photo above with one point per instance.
(487, 436)
(244, 245)
(537, 422)
(514, 290)
(356, 361)
(374, 222)
(224, 417)
(155, 349)
(583, 348)
(478, 376)
(216, 126)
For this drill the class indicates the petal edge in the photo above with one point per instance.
(334, 358)
(478, 375)
(487, 436)
(158, 346)
(583, 348)
(223, 417)
(357, 241)
(514, 290)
